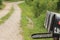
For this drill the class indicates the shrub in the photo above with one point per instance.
(29, 2)
(39, 7)
(52, 4)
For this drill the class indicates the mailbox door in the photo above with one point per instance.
(46, 23)
(51, 22)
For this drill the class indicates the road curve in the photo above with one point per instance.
(10, 30)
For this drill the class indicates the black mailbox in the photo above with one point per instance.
(52, 24)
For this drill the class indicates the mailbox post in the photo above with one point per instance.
(52, 24)
(55, 38)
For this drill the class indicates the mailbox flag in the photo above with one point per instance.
(59, 23)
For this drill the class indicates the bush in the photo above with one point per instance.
(52, 4)
(29, 2)
(39, 7)
(13, 0)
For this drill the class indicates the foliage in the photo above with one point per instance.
(52, 4)
(38, 22)
(29, 2)
(13, 0)
(2, 6)
(39, 7)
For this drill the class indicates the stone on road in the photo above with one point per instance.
(10, 30)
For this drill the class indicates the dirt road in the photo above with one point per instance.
(6, 9)
(10, 30)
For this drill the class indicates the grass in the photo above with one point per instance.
(2, 6)
(14, 0)
(3, 19)
(38, 23)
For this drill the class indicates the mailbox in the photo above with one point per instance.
(52, 24)
(52, 21)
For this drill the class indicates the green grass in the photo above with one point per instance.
(3, 19)
(2, 6)
(38, 22)
(14, 0)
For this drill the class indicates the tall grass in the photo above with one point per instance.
(13, 0)
(38, 23)
(39, 8)
(2, 6)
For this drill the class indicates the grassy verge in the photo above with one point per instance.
(38, 23)
(2, 6)
(13, 0)
(3, 19)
